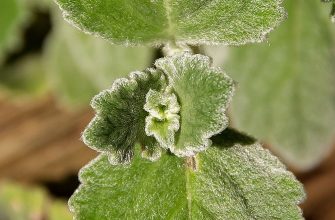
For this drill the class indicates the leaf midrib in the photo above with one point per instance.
(238, 191)
(188, 190)
(171, 27)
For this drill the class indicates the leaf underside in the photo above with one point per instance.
(183, 21)
(234, 179)
(286, 93)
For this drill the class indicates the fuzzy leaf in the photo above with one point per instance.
(183, 21)
(79, 66)
(203, 93)
(286, 93)
(163, 119)
(120, 118)
(234, 179)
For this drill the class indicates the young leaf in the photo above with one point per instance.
(203, 94)
(286, 93)
(163, 119)
(234, 179)
(183, 21)
(120, 117)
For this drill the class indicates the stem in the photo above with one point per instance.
(173, 48)
(191, 163)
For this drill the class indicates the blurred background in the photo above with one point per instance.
(49, 71)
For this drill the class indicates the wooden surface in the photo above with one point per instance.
(320, 187)
(39, 141)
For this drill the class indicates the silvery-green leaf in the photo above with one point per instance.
(120, 117)
(286, 87)
(79, 66)
(203, 94)
(236, 179)
(183, 21)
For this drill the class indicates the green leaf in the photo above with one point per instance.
(286, 87)
(79, 66)
(203, 93)
(183, 21)
(120, 117)
(234, 179)
(11, 12)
